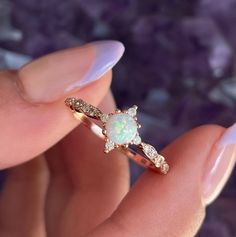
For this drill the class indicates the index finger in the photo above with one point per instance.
(33, 116)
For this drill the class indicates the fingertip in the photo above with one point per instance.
(28, 129)
(64, 72)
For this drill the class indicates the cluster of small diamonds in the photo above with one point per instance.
(80, 106)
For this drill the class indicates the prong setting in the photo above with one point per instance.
(139, 125)
(120, 130)
(128, 116)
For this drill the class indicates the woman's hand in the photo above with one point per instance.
(67, 187)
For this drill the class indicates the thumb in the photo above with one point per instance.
(173, 205)
(32, 111)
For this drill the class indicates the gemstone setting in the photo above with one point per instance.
(149, 151)
(137, 140)
(121, 128)
(132, 111)
(109, 145)
(104, 118)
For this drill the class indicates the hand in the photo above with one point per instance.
(60, 183)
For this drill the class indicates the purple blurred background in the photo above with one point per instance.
(179, 65)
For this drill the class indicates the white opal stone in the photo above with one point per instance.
(121, 128)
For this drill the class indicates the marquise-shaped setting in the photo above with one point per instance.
(157, 159)
(149, 151)
(137, 140)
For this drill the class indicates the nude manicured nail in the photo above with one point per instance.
(219, 165)
(55, 75)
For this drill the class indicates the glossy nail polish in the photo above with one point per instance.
(51, 77)
(219, 165)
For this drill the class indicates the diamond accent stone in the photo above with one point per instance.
(77, 105)
(87, 109)
(104, 118)
(132, 111)
(149, 151)
(165, 168)
(159, 161)
(137, 140)
(70, 102)
(109, 145)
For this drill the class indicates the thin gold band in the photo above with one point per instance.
(83, 112)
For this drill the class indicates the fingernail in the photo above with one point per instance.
(219, 165)
(53, 76)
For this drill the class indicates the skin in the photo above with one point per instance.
(72, 190)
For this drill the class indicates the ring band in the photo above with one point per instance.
(119, 130)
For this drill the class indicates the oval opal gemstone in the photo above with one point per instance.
(121, 128)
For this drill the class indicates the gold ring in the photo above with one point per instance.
(119, 130)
